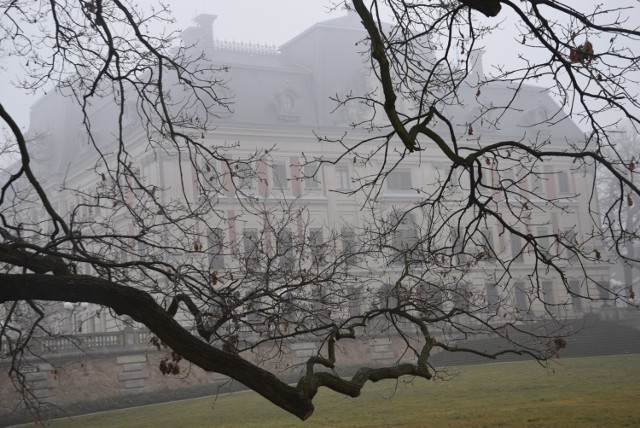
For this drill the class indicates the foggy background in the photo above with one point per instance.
(270, 22)
(276, 21)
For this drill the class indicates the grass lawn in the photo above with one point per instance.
(576, 392)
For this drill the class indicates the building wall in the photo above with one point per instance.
(258, 124)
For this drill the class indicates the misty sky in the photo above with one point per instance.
(264, 21)
(275, 22)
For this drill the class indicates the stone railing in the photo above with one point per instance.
(130, 339)
(246, 47)
(90, 342)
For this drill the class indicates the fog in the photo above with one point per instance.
(268, 207)
(270, 22)
(275, 22)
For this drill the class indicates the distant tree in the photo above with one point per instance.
(481, 215)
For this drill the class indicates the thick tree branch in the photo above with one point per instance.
(489, 8)
(141, 307)
(11, 254)
(310, 384)
(25, 161)
(193, 309)
(378, 53)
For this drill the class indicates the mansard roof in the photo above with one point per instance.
(291, 87)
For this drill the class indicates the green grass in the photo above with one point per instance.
(578, 392)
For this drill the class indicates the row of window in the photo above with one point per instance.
(400, 179)
(431, 298)
(245, 177)
(518, 246)
(551, 297)
(404, 243)
(537, 183)
(436, 300)
(286, 250)
(523, 302)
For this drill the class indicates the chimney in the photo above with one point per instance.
(205, 29)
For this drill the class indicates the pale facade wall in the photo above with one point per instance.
(330, 209)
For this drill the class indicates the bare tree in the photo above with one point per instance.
(479, 248)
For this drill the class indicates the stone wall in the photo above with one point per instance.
(131, 369)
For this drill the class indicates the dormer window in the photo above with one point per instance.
(286, 104)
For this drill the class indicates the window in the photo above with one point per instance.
(164, 254)
(85, 214)
(493, 301)
(288, 307)
(253, 309)
(604, 292)
(244, 176)
(536, 183)
(522, 301)
(316, 247)
(486, 244)
(549, 294)
(576, 300)
(454, 181)
(389, 296)
(399, 180)
(285, 249)
(517, 252)
(458, 245)
(570, 238)
(135, 182)
(543, 238)
(405, 238)
(319, 302)
(342, 177)
(460, 296)
(355, 302)
(97, 211)
(216, 257)
(209, 180)
(563, 182)
(570, 234)
(508, 179)
(124, 255)
(250, 244)
(310, 177)
(279, 174)
(429, 297)
(317, 298)
(348, 246)
(142, 249)
(404, 243)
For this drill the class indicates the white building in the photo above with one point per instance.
(280, 104)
